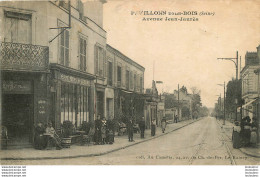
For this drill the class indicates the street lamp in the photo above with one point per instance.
(235, 62)
(224, 105)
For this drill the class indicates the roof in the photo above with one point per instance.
(124, 57)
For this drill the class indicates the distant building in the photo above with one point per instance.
(125, 83)
(250, 83)
(151, 103)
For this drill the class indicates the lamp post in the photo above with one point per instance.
(224, 104)
(234, 60)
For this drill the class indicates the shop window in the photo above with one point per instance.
(74, 103)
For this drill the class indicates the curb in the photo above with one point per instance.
(249, 154)
(243, 150)
(99, 154)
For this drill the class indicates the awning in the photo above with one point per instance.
(248, 103)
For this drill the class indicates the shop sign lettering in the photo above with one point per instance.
(74, 80)
(42, 106)
(17, 86)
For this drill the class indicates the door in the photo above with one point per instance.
(18, 118)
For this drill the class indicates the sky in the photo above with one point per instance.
(185, 52)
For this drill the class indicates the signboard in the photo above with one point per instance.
(12, 86)
(42, 106)
(74, 80)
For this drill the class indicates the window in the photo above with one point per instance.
(135, 82)
(131, 80)
(82, 54)
(64, 48)
(18, 28)
(141, 84)
(99, 61)
(110, 73)
(119, 77)
(127, 79)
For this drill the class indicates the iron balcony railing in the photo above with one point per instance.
(17, 56)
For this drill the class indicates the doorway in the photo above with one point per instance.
(17, 117)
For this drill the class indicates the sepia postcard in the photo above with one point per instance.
(120, 82)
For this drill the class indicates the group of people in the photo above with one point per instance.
(103, 134)
(142, 126)
(46, 137)
(245, 133)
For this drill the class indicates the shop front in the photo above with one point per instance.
(24, 104)
(72, 96)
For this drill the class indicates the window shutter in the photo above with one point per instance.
(96, 59)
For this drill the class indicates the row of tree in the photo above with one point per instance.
(233, 100)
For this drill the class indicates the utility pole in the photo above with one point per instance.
(224, 104)
(178, 102)
(234, 60)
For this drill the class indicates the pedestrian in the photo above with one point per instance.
(247, 131)
(91, 133)
(142, 127)
(98, 125)
(236, 136)
(110, 136)
(4, 137)
(153, 129)
(176, 118)
(39, 140)
(130, 130)
(52, 138)
(254, 130)
(103, 130)
(163, 124)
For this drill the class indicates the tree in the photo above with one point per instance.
(203, 111)
(233, 96)
(170, 101)
(184, 89)
(185, 111)
(196, 101)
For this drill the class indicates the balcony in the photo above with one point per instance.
(20, 57)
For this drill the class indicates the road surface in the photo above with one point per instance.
(200, 143)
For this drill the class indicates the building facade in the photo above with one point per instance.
(53, 64)
(125, 83)
(249, 84)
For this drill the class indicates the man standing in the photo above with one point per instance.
(98, 125)
(176, 118)
(142, 127)
(130, 130)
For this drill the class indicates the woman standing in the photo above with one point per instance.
(163, 123)
(253, 137)
(39, 140)
(236, 135)
(153, 127)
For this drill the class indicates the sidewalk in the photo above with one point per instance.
(74, 151)
(228, 129)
